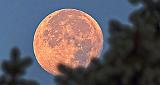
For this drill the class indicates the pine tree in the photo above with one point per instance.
(14, 69)
(133, 57)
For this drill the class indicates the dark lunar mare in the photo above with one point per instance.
(82, 55)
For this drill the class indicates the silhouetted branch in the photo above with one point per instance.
(133, 57)
(14, 69)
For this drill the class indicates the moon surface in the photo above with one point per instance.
(67, 36)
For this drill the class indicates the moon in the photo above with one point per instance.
(67, 36)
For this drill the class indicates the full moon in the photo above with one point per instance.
(67, 36)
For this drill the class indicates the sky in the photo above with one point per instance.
(20, 18)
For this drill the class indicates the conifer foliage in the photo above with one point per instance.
(133, 57)
(14, 68)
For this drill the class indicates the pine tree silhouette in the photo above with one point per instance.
(133, 57)
(14, 69)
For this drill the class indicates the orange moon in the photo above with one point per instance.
(67, 36)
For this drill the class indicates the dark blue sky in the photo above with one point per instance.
(20, 18)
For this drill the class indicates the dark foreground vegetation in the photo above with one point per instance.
(14, 69)
(133, 57)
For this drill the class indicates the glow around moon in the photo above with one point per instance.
(68, 36)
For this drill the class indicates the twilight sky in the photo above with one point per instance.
(20, 18)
